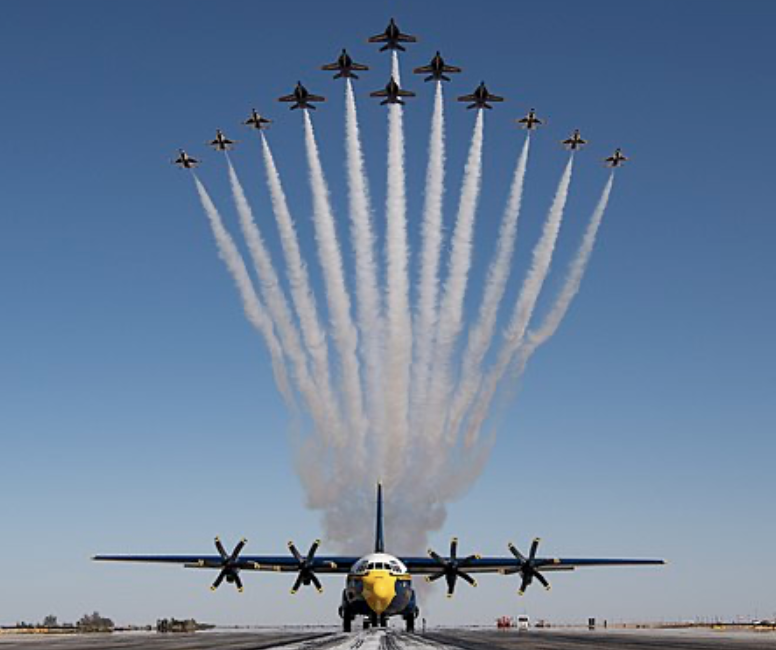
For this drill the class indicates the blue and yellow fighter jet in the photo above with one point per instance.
(378, 585)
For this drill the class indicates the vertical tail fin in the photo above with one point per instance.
(379, 544)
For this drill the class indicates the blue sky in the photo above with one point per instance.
(137, 407)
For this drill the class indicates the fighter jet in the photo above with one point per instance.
(344, 66)
(256, 121)
(301, 98)
(436, 69)
(530, 121)
(480, 98)
(392, 93)
(393, 38)
(221, 143)
(616, 159)
(574, 142)
(184, 161)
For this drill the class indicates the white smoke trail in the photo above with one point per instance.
(573, 281)
(344, 333)
(428, 289)
(451, 308)
(529, 293)
(301, 293)
(398, 321)
(279, 311)
(481, 335)
(254, 311)
(367, 291)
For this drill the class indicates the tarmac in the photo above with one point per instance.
(452, 639)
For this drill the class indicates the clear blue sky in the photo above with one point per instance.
(137, 408)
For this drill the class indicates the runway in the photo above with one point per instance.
(448, 639)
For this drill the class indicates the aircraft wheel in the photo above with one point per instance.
(410, 623)
(347, 623)
(383, 621)
(366, 623)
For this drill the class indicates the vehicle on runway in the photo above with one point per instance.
(377, 585)
(616, 159)
(256, 121)
(530, 121)
(480, 98)
(344, 66)
(301, 98)
(393, 38)
(574, 142)
(184, 161)
(221, 142)
(392, 93)
(437, 69)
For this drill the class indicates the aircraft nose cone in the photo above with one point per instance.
(383, 590)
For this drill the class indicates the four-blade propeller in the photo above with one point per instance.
(306, 564)
(527, 567)
(229, 565)
(450, 568)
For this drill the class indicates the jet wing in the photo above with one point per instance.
(424, 69)
(379, 38)
(359, 67)
(405, 93)
(494, 98)
(287, 98)
(331, 66)
(379, 93)
(406, 38)
(467, 98)
(278, 563)
(450, 68)
(426, 565)
(314, 98)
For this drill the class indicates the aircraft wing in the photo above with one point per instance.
(330, 66)
(287, 98)
(405, 93)
(379, 93)
(494, 98)
(424, 69)
(406, 38)
(276, 563)
(380, 38)
(315, 98)
(426, 565)
(360, 67)
(467, 98)
(450, 68)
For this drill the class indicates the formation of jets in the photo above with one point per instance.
(392, 38)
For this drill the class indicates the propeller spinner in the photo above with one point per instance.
(230, 566)
(306, 564)
(450, 568)
(527, 567)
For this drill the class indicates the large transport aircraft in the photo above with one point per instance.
(378, 585)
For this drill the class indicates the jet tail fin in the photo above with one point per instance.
(379, 543)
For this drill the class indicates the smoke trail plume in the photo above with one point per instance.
(428, 289)
(481, 335)
(367, 291)
(278, 308)
(515, 333)
(398, 321)
(301, 293)
(343, 331)
(573, 280)
(451, 308)
(254, 311)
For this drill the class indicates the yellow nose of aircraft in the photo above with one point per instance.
(379, 590)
